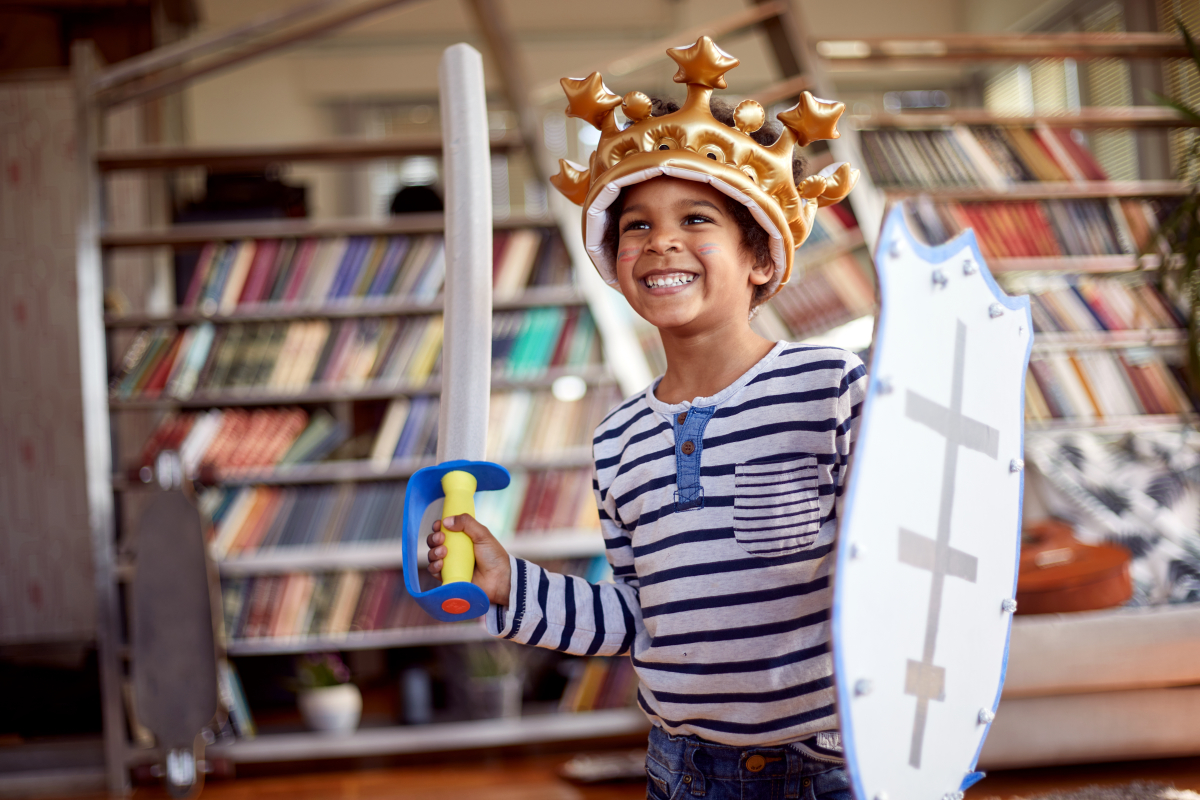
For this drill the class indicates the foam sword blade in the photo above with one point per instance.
(467, 343)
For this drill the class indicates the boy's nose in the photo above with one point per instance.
(663, 243)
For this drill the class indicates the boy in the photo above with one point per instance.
(716, 485)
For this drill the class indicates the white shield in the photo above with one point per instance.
(930, 531)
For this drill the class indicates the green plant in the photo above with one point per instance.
(1178, 237)
(491, 659)
(318, 670)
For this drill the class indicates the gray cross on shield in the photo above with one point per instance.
(925, 680)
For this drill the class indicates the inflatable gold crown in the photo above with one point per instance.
(691, 144)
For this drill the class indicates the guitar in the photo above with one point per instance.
(1059, 573)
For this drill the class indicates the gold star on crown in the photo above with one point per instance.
(691, 144)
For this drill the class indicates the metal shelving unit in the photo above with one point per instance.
(1045, 190)
(353, 471)
(1110, 340)
(376, 390)
(159, 72)
(941, 51)
(198, 233)
(533, 545)
(1145, 422)
(274, 312)
(434, 737)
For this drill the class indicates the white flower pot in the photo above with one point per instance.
(495, 697)
(331, 709)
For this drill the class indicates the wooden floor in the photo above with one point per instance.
(535, 778)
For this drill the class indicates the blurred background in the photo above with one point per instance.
(222, 261)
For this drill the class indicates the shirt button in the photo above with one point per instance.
(687, 778)
(688, 448)
(755, 763)
(806, 782)
(682, 418)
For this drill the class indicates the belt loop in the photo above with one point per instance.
(692, 775)
(795, 766)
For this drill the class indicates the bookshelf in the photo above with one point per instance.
(1049, 219)
(283, 564)
(547, 521)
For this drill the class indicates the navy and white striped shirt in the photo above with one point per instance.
(719, 520)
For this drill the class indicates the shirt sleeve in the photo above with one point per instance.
(851, 393)
(566, 613)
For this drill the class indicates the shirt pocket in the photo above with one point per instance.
(777, 508)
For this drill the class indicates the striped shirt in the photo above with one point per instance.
(719, 520)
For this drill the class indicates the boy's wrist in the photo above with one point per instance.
(501, 588)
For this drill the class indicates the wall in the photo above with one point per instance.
(46, 587)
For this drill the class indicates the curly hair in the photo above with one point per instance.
(755, 241)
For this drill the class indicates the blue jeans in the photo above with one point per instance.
(687, 767)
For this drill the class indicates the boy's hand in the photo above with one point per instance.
(492, 571)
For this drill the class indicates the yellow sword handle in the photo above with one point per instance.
(459, 564)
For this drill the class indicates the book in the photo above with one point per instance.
(233, 698)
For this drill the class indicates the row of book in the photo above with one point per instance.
(1046, 228)
(247, 519)
(597, 683)
(318, 272)
(522, 424)
(978, 156)
(287, 357)
(232, 439)
(326, 604)
(1088, 385)
(1089, 303)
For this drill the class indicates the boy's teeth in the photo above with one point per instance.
(656, 281)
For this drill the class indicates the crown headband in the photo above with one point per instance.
(691, 144)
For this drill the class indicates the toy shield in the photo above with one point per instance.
(930, 532)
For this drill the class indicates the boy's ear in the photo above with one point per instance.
(761, 273)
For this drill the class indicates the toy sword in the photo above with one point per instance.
(467, 345)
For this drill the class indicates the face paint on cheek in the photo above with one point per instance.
(628, 254)
(708, 249)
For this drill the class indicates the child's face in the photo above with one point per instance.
(680, 260)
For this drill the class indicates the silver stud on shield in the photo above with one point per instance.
(1008, 605)
(995, 310)
(863, 687)
(986, 715)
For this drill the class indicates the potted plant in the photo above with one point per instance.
(494, 680)
(328, 701)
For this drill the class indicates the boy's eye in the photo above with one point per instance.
(634, 225)
(695, 219)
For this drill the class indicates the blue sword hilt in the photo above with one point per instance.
(456, 600)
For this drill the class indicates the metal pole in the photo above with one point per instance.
(467, 347)
(93, 367)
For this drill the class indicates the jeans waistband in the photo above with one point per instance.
(698, 758)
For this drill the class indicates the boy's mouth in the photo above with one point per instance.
(669, 279)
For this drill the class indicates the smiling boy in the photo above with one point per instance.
(717, 484)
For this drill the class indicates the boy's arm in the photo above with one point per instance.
(851, 393)
(562, 612)
(533, 606)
